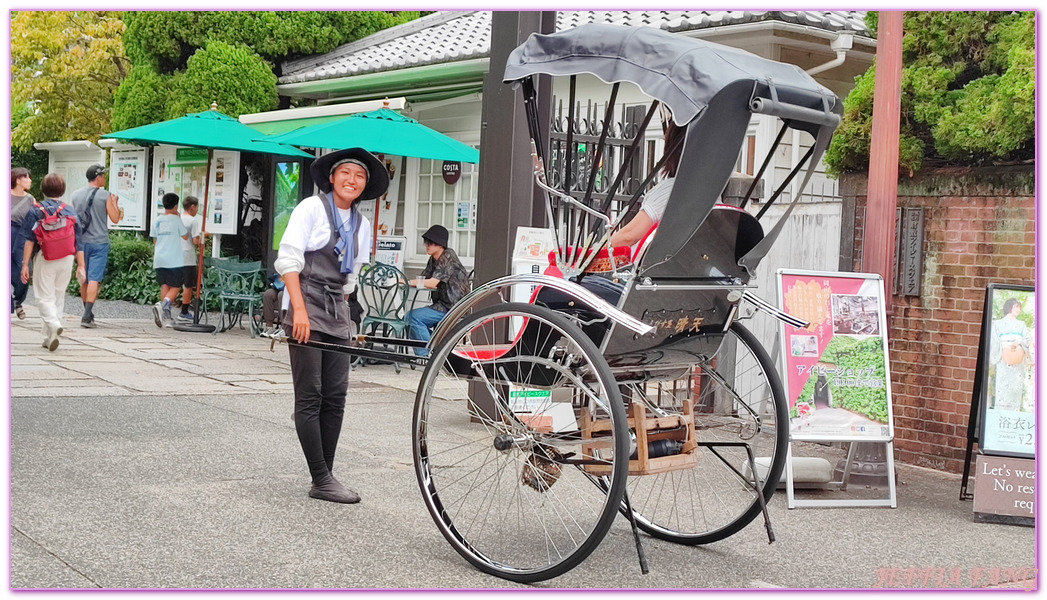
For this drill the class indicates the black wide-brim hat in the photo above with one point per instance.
(436, 234)
(377, 175)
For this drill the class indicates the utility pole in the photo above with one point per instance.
(508, 197)
(878, 246)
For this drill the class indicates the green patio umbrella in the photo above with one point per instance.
(381, 131)
(207, 129)
(212, 130)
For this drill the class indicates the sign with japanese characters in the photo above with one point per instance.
(1008, 391)
(836, 369)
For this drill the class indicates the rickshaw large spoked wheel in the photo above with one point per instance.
(737, 397)
(515, 477)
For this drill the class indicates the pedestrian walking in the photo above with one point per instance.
(326, 243)
(52, 225)
(21, 201)
(95, 205)
(167, 232)
(194, 224)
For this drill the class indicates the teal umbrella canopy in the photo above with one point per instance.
(208, 129)
(381, 131)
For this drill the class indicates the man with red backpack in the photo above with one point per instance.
(53, 227)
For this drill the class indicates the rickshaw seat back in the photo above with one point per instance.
(732, 227)
(688, 322)
(709, 155)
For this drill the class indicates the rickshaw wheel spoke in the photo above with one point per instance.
(743, 401)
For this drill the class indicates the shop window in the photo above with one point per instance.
(441, 203)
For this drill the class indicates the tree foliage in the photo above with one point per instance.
(968, 93)
(32, 159)
(240, 80)
(185, 60)
(65, 67)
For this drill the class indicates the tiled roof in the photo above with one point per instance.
(449, 36)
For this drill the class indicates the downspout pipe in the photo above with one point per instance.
(841, 45)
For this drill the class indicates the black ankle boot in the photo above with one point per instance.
(330, 489)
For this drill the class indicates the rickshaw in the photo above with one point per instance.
(536, 424)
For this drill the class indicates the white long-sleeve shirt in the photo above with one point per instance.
(308, 230)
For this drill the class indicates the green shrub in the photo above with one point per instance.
(140, 97)
(968, 93)
(129, 272)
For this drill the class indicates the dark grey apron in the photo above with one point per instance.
(321, 280)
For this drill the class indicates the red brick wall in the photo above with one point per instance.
(979, 228)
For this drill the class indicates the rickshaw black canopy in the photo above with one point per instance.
(683, 73)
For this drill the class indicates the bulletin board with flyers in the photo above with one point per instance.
(184, 171)
(127, 179)
(223, 205)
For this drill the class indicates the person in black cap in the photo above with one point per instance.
(325, 244)
(95, 205)
(448, 280)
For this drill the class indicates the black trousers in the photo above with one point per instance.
(321, 380)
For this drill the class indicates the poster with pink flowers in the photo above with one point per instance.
(837, 374)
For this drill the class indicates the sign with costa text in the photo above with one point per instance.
(452, 171)
(836, 369)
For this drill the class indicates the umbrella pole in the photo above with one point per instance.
(195, 326)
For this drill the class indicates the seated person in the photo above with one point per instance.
(272, 315)
(651, 211)
(654, 201)
(445, 275)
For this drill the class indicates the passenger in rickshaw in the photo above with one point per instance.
(637, 229)
(448, 280)
(654, 201)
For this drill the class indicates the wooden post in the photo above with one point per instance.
(878, 247)
(508, 197)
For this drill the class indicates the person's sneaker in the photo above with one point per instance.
(186, 316)
(20, 312)
(167, 313)
(88, 323)
(158, 317)
(51, 342)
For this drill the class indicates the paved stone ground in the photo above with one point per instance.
(151, 458)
